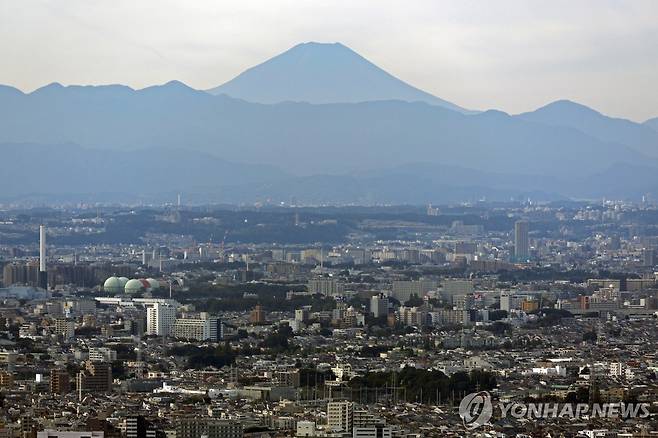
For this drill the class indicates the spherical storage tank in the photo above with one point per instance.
(155, 284)
(112, 285)
(145, 284)
(123, 281)
(134, 286)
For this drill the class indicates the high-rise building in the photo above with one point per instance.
(160, 319)
(403, 290)
(96, 377)
(379, 431)
(192, 328)
(505, 301)
(21, 273)
(28, 427)
(452, 287)
(136, 426)
(288, 378)
(325, 286)
(521, 248)
(65, 328)
(529, 305)
(379, 305)
(203, 328)
(302, 315)
(208, 427)
(257, 316)
(6, 379)
(363, 418)
(413, 316)
(306, 429)
(102, 354)
(463, 302)
(340, 416)
(108, 429)
(450, 317)
(60, 382)
(367, 425)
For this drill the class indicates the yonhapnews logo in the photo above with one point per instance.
(476, 409)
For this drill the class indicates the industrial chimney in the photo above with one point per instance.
(43, 272)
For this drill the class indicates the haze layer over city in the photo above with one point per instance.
(368, 219)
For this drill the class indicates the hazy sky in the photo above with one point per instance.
(513, 55)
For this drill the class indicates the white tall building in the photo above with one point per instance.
(203, 328)
(192, 328)
(102, 354)
(505, 301)
(340, 416)
(379, 305)
(325, 286)
(160, 319)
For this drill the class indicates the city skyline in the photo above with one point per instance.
(328, 219)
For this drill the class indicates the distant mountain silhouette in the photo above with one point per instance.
(71, 169)
(71, 173)
(652, 123)
(300, 138)
(322, 73)
(621, 131)
(169, 138)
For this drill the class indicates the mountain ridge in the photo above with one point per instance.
(322, 73)
(157, 175)
(173, 127)
(300, 138)
(591, 122)
(652, 123)
(103, 171)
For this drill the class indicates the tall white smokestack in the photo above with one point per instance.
(43, 273)
(42, 248)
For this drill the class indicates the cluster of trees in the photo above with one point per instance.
(269, 303)
(278, 340)
(499, 328)
(203, 290)
(271, 297)
(543, 274)
(242, 226)
(497, 315)
(551, 317)
(313, 377)
(590, 337)
(373, 351)
(425, 386)
(201, 357)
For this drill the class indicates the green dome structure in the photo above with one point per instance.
(134, 286)
(113, 285)
(155, 284)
